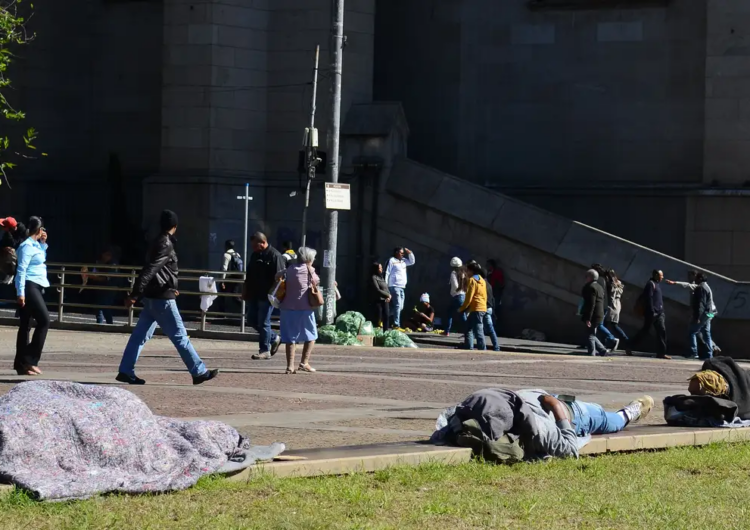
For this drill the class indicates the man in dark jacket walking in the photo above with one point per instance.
(652, 303)
(592, 312)
(157, 287)
(262, 267)
(702, 304)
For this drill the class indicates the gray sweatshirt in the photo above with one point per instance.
(555, 438)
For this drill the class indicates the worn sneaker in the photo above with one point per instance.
(275, 345)
(205, 376)
(261, 356)
(129, 379)
(639, 409)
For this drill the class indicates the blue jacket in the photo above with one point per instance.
(32, 266)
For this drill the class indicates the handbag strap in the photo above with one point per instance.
(309, 276)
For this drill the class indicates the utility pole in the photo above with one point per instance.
(334, 129)
(311, 146)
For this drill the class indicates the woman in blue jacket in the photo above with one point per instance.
(31, 281)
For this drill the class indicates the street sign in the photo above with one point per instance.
(338, 196)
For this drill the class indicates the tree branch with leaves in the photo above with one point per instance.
(13, 34)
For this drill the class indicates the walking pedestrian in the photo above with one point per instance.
(592, 312)
(615, 288)
(489, 325)
(457, 282)
(156, 286)
(476, 305)
(703, 309)
(651, 305)
(692, 285)
(263, 266)
(297, 316)
(231, 262)
(379, 297)
(395, 277)
(31, 281)
(608, 338)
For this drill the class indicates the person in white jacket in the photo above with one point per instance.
(457, 283)
(395, 277)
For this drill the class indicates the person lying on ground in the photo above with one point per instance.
(544, 425)
(719, 397)
(722, 377)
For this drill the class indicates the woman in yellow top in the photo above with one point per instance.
(476, 305)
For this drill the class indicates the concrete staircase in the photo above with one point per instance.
(544, 257)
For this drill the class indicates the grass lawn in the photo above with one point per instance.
(696, 488)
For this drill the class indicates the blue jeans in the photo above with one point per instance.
(259, 317)
(591, 418)
(607, 335)
(167, 316)
(618, 330)
(453, 308)
(104, 298)
(475, 327)
(397, 305)
(490, 327)
(702, 328)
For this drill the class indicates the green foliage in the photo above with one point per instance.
(13, 34)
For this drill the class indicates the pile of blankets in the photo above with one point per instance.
(62, 441)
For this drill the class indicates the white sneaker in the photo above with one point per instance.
(639, 409)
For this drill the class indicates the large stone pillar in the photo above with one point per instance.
(213, 120)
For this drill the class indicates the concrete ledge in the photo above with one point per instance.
(367, 458)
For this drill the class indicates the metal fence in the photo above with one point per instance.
(65, 271)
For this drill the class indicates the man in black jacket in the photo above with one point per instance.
(652, 303)
(157, 287)
(702, 304)
(592, 312)
(262, 267)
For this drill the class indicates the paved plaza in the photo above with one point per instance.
(358, 396)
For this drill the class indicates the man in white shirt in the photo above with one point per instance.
(395, 277)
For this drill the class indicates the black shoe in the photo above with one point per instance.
(275, 345)
(207, 376)
(129, 379)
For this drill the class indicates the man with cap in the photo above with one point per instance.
(157, 287)
(423, 315)
(13, 236)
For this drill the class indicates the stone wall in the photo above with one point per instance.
(548, 97)
(544, 256)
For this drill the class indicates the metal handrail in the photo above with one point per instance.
(61, 270)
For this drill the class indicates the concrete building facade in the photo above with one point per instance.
(628, 116)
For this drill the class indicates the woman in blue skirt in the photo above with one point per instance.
(297, 316)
